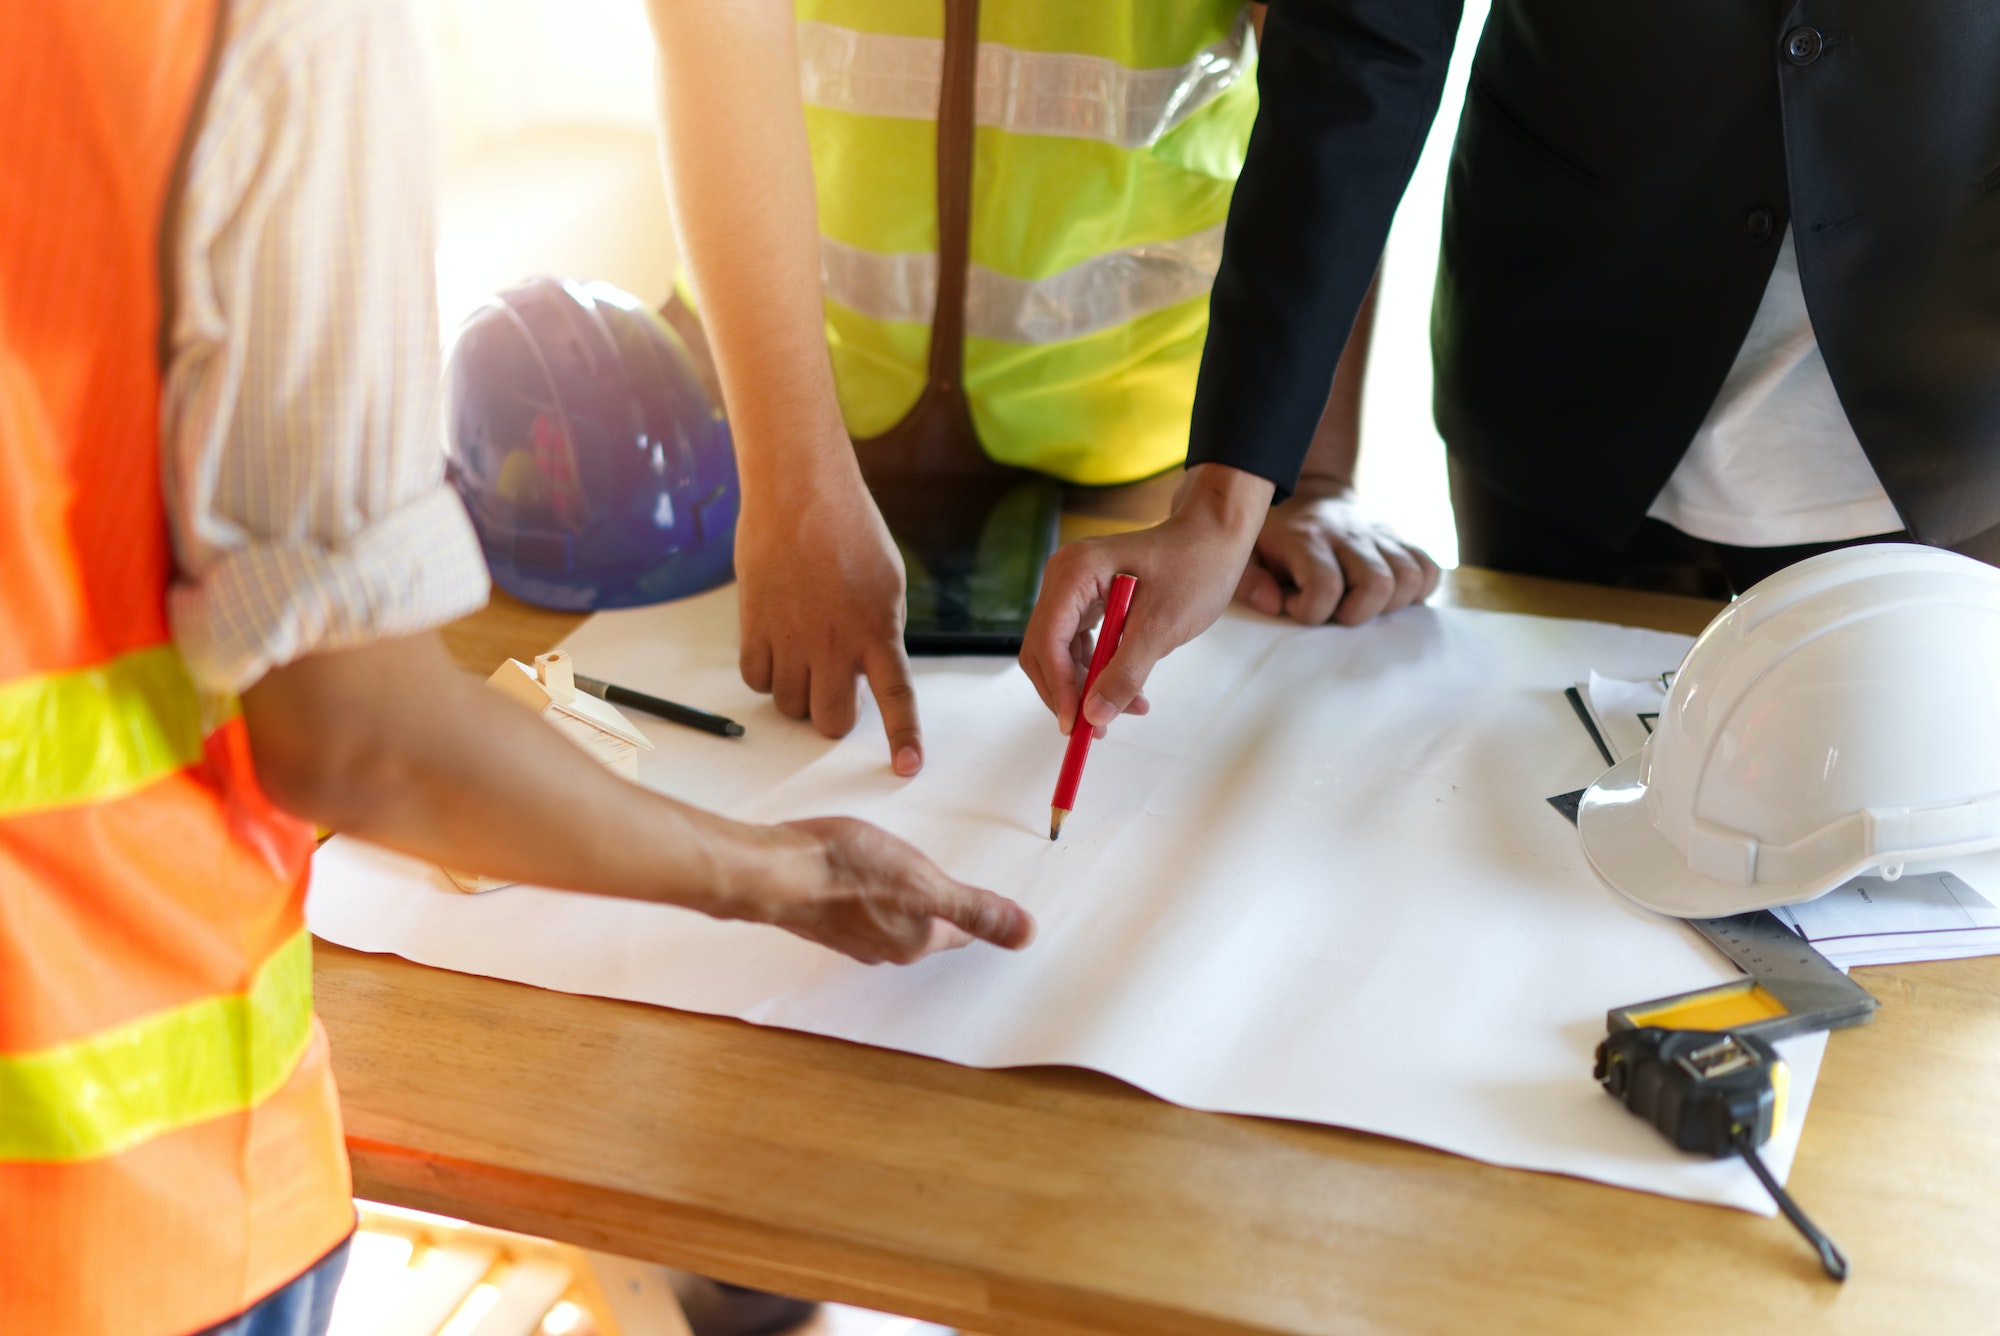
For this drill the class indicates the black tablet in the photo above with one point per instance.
(973, 552)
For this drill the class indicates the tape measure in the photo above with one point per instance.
(1716, 1094)
(1699, 1065)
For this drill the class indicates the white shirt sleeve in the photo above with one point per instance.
(301, 444)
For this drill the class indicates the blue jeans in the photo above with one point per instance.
(302, 1308)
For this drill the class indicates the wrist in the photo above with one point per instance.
(1323, 486)
(811, 468)
(1224, 497)
(755, 869)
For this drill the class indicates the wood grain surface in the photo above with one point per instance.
(1061, 1201)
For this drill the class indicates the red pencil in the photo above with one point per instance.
(1108, 636)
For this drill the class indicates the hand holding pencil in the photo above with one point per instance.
(1187, 567)
(1117, 604)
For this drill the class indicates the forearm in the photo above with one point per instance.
(1348, 90)
(391, 744)
(739, 176)
(1236, 501)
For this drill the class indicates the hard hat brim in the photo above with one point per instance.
(1640, 863)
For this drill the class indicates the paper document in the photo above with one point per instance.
(1919, 916)
(1624, 712)
(1318, 881)
(1927, 915)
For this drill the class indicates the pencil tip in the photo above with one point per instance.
(733, 730)
(1056, 815)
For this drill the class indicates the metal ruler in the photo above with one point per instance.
(1814, 994)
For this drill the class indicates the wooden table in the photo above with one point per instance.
(1057, 1201)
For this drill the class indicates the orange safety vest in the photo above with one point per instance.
(170, 1147)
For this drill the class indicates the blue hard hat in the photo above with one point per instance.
(597, 470)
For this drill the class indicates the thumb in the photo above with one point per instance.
(989, 917)
(1259, 587)
(1121, 681)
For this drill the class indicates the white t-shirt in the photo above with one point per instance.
(1775, 462)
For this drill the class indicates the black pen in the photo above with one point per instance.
(666, 709)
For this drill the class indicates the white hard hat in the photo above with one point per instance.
(1841, 717)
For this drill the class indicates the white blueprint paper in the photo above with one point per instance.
(1320, 882)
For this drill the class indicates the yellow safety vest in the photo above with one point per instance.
(1108, 138)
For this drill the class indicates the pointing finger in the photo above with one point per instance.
(889, 678)
(986, 916)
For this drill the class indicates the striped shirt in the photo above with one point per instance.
(301, 446)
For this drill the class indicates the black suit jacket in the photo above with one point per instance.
(1622, 179)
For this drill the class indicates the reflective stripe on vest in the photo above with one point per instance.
(1103, 291)
(1107, 143)
(98, 733)
(117, 1088)
(1022, 92)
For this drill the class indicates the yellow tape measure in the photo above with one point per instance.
(1717, 1094)
(1699, 1066)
